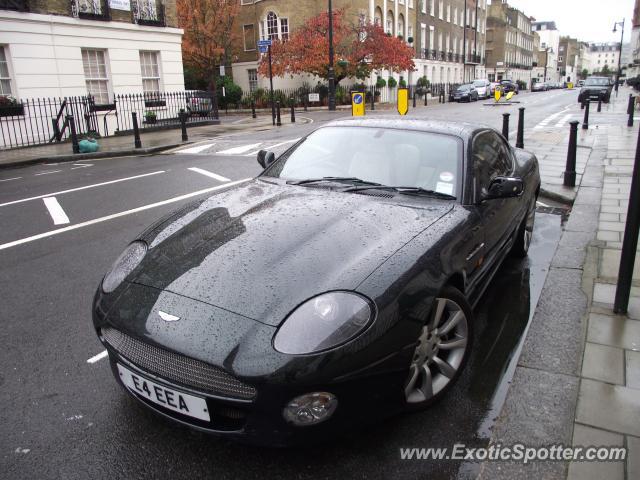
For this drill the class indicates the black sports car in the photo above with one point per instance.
(333, 289)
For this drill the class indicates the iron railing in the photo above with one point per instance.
(148, 12)
(17, 5)
(91, 9)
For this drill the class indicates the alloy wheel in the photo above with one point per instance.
(439, 353)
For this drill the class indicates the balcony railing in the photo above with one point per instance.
(148, 12)
(17, 5)
(91, 9)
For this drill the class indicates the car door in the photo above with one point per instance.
(492, 157)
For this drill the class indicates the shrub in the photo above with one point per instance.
(403, 83)
(392, 82)
(381, 82)
(233, 92)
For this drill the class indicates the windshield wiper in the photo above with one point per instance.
(405, 191)
(331, 179)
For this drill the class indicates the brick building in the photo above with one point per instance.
(569, 61)
(58, 48)
(510, 44)
(434, 28)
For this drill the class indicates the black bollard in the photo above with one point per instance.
(582, 104)
(630, 110)
(253, 109)
(373, 99)
(278, 119)
(183, 125)
(136, 131)
(520, 137)
(74, 135)
(570, 168)
(426, 94)
(630, 241)
(585, 123)
(414, 98)
(505, 125)
(293, 114)
(306, 103)
(599, 105)
(630, 104)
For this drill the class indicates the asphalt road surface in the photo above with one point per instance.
(64, 416)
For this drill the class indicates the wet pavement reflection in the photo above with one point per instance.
(465, 415)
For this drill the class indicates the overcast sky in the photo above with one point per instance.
(588, 20)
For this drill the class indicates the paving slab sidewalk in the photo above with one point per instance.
(577, 381)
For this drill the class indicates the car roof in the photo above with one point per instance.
(461, 129)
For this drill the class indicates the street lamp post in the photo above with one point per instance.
(615, 29)
(332, 73)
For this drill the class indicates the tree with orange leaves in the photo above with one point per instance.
(359, 50)
(208, 34)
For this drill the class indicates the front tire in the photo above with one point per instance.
(525, 232)
(442, 350)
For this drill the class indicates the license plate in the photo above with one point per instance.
(183, 403)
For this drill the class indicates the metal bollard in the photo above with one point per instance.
(630, 104)
(520, 137)
(293, 114)
(136, 131)
(373, 100)
(426, 94)
(414, 99)
(631, 110)
(253, 110)
(570, 168)
(505, 125)
(74, 135)
(306, 103)
(278, 119)
(599, 105)
(582, 104)
(630, 240)
(183, 125)
(585, 123)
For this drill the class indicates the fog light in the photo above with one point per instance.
(310, 408)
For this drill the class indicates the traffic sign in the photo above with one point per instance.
(357, 104)
(403, 101)
(263, 48)
(264, 43)
(314, 97)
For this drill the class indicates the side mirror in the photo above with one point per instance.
(266, 158)
(505, 187)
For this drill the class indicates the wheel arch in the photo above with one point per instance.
(458, 281)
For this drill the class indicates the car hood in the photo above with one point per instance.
(595, 88)
(261, 249)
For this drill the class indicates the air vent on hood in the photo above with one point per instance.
(373, 193)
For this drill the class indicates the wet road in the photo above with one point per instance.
(63, 417)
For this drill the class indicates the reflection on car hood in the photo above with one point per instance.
(261, 249)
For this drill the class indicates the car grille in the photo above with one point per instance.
(177, 368)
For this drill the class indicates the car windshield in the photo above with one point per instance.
(596, 82)
(479, 83)
(385, 156)
(464, 87)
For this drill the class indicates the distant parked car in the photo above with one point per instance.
(493, 87)
(464, 93)
(509, 86)
(199, 102)
(581, 83)
(596, 88)
(483, 87)
(539, 87)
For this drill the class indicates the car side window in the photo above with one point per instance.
(491, 158)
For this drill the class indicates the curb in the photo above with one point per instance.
(91, 156)
(556, 196)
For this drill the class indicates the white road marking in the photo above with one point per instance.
(81, 188)
(98, 357)
(56, 211)
(542, 204)
(9, 179)
(251, 154)
(549, 119)
(47, 172)
(81, 165)
(239, 150)
(196, 149)
(207, 173)
(51, 233)
(564, 120)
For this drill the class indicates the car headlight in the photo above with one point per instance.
(124, 265)
(323, 322)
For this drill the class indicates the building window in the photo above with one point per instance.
(249, 37)
(424, 6)
(150, 72)
(5, 78)
(253, 79)
(95, 75)
(432, 8)
(441, 10)
(284, 29)
(272, 26)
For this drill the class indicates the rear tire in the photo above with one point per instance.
(442, 350)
